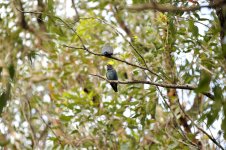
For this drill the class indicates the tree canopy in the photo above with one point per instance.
(170, 59)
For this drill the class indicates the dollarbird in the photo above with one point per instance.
(112, 75)
(107, 50)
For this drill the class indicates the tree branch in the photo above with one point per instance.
(188, 87)
(130, 43)
(22, 20)
(172, 8)
(76, 11)
(165, 85)
(122, 23)
(112, 57)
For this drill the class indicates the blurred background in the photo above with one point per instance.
(49, 100)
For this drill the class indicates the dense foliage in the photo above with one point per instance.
(52, 90)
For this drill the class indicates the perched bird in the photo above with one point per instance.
(107, 50)
(112, 75)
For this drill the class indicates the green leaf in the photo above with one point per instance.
(211, 117)
(135, 72)
(3, 100)
(139, 1)
(65, 118)
(11, 69)
(204, 82)
(74, 132)
(194, 29)
(218, 93)
(223, 126)
(1, 72)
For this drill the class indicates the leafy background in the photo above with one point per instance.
(49, 99)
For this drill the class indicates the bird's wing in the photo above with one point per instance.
(109, 75)
(115, 75)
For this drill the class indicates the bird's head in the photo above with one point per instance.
(109, 67)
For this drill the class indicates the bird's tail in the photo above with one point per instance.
(114, 86)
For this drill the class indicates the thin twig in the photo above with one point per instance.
(32, 132)
(48, 125)
(76, 11)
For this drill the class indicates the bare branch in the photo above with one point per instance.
(171, 8)
(188, 87)
(41, 8)
(32, 131)
(22, 20)
(48, 124)
(76, 11)
(166, 85)
(122, 23)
